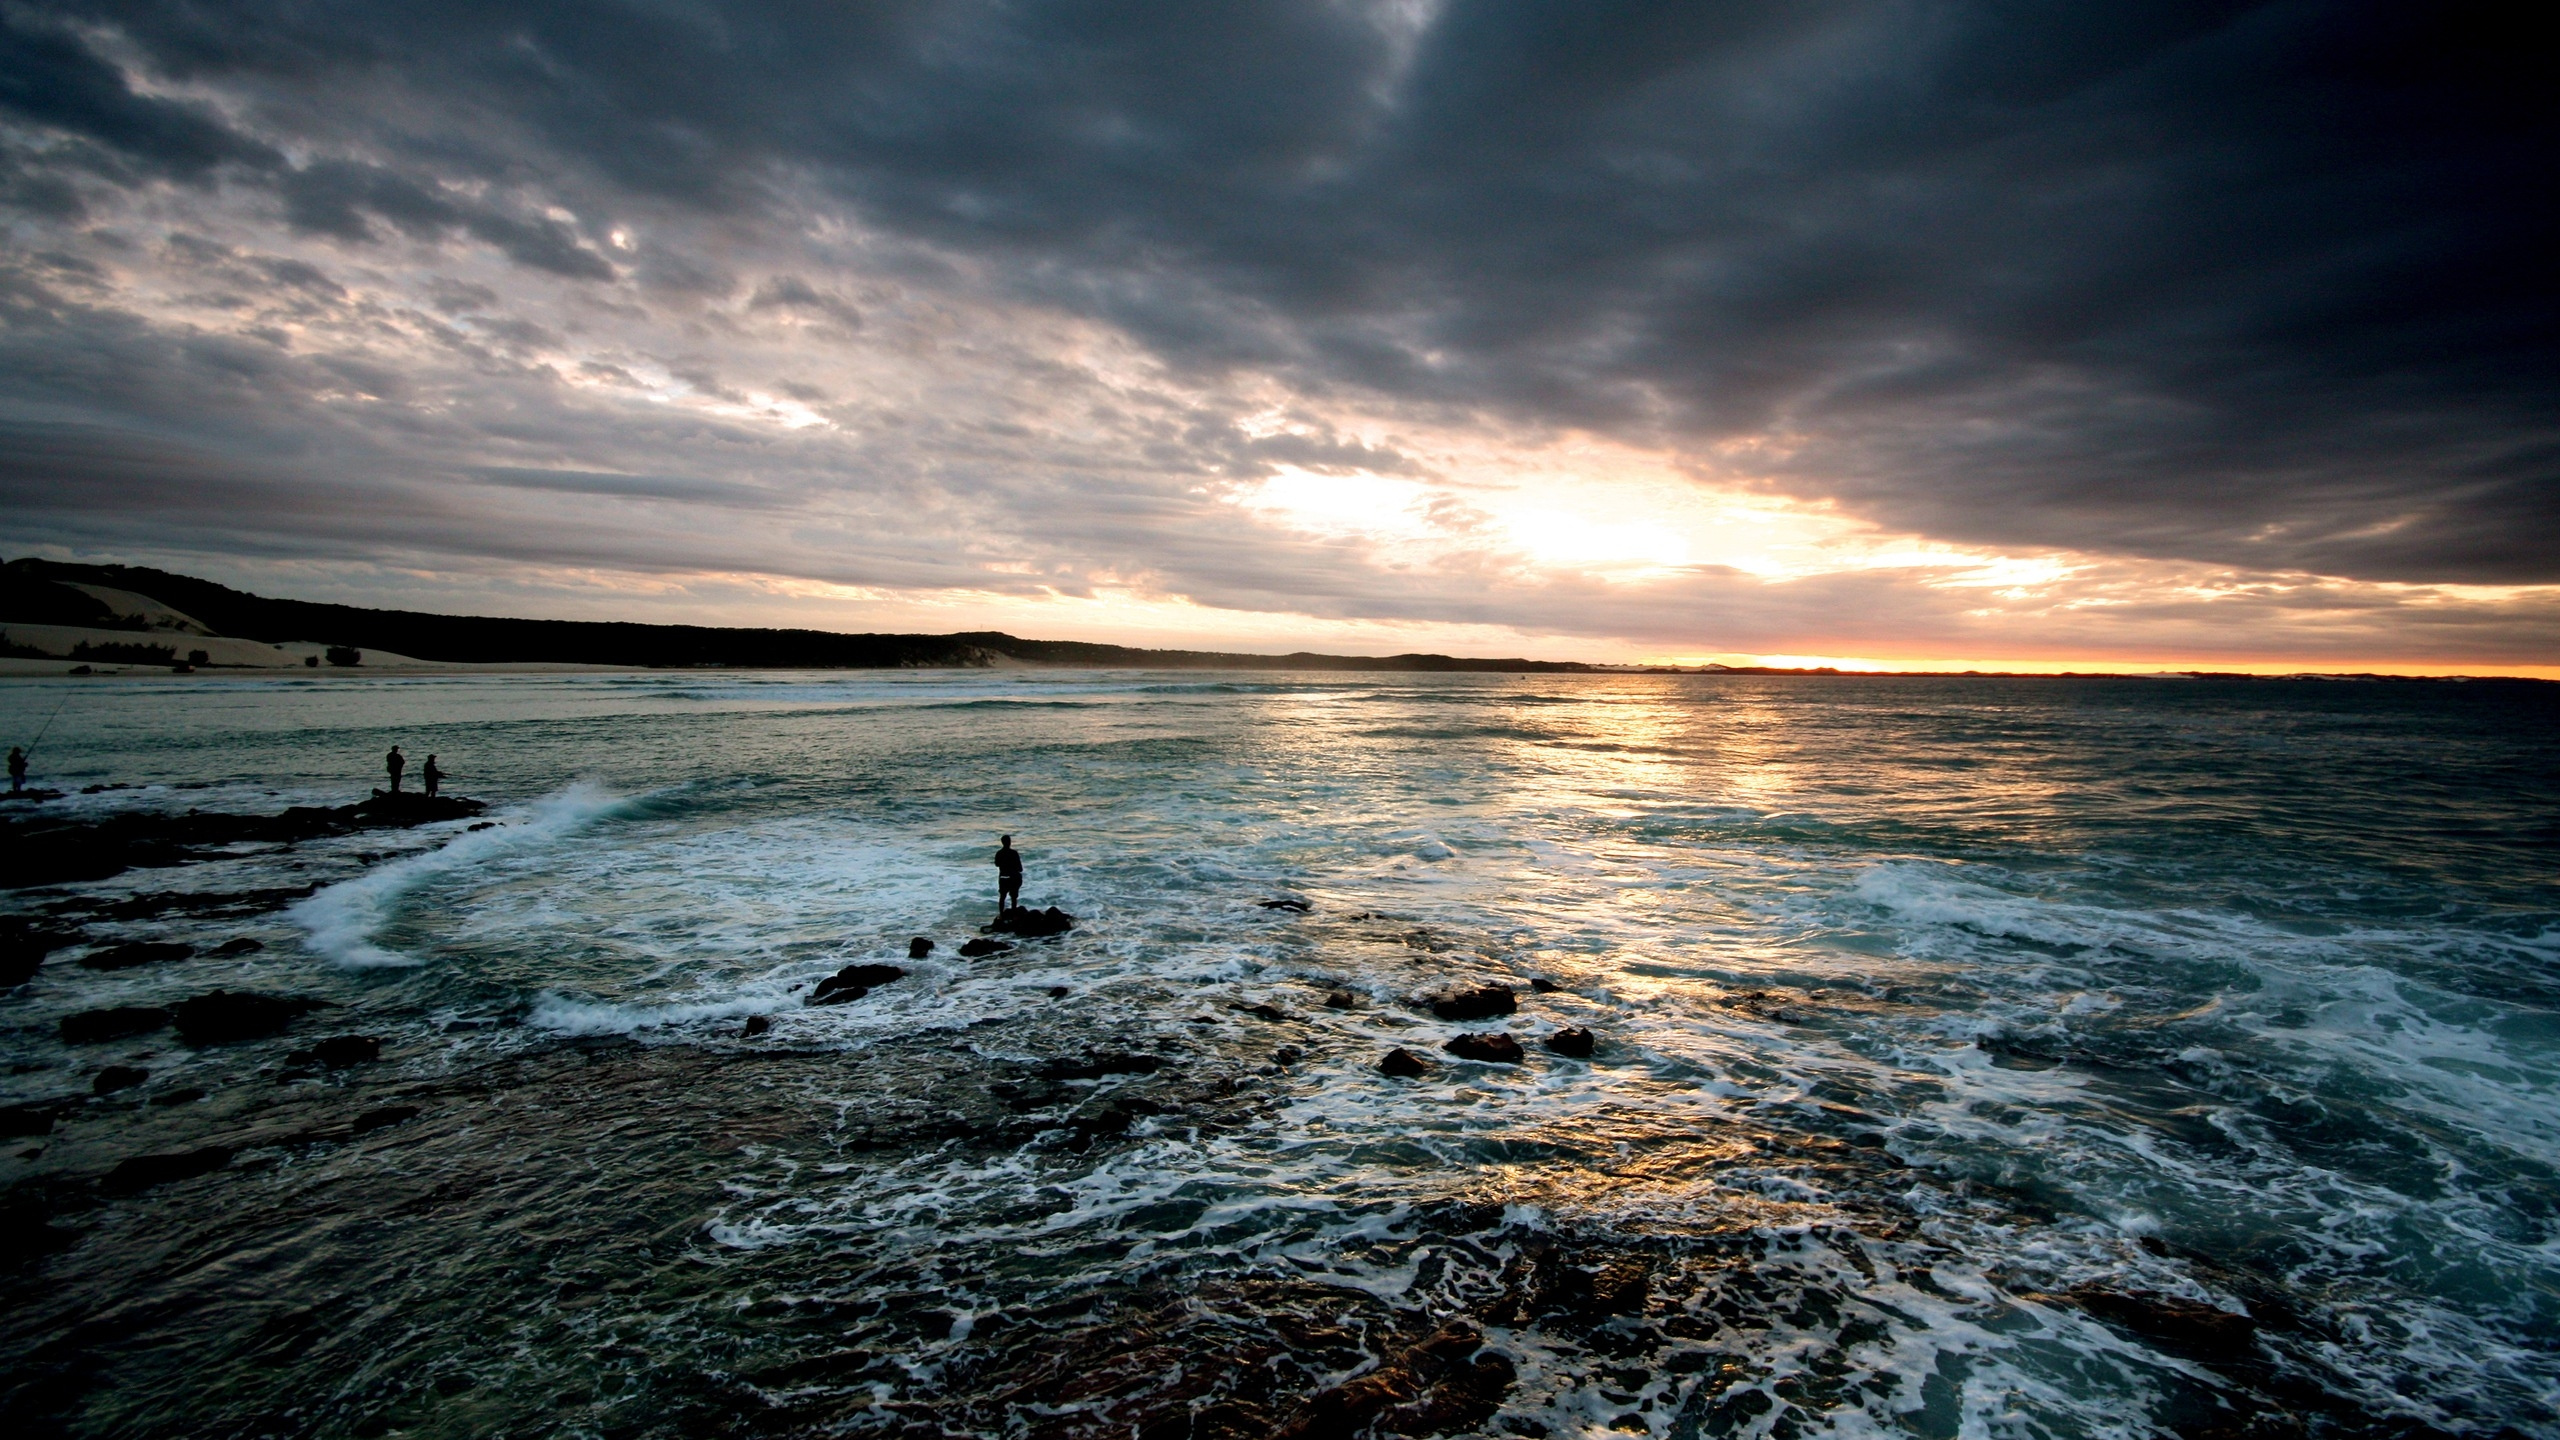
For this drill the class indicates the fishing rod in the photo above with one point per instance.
(47, 727)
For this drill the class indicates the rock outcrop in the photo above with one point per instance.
(1031, 924)
(1474, 1002)
(1490, 1048)
(1403, 1064)
(1572, 1041)
(853, 982)
(219, 1017)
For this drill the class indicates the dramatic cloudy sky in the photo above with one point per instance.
(2197, 333)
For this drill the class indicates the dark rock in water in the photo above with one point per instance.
(338, 1052)
(757, 1025)
(852, 983)
(1448, 1383)
(183, 1095)
(1572, 1041)
(1404, 1064)
(242, 946)
(409, 807)
(1272, 1013)
(2185, 1328)
(220, 1016)
(483, 825)
(1541, 985)
(1288, 903)
(117, 1077)
(144, 1171)
(1341, 1000)
(981, 948)
(35, 1117)
(1492, 1048)
(384, 1118)
(41, 848)
(23, 946)
(1031, 924)
(1475, 1002)
(919, 947)
(140, 952)
(91, 1026)
(1058, 992)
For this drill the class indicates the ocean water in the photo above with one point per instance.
(1965, 1048)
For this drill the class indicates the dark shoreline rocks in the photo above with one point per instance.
(1491, 1047)
(44, 849)
(219, 1017)
(1474, 1002)
(135, 952)
(1030, 924)
(1403, 1064)
(90, 1027)
(1573, 1042)
(853, 982)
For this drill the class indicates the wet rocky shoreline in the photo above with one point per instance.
(336, 1223)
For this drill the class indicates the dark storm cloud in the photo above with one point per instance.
(2261, 285)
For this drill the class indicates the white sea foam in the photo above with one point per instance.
(343, 920)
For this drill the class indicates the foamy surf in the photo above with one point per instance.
(342, 922)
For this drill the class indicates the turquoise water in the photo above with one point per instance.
(2243, 993)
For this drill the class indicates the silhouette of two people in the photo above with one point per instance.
(1008, 877)
(398, 765)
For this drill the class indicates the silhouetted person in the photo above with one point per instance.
(1008, 877)
(17, 769)
(395, 762)
(431, 777)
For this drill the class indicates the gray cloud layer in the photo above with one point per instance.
(2261, 286)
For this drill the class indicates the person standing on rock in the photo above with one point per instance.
(395, 762)
(17, 769)
(1008, 877)
(431, 777)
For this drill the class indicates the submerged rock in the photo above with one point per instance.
(339, 1051)
(117, 1077)
(34, 1117)
(1541, 985)
(23, 946)
(1341, 1000)
(132, 953)
(144, 1171)
(1272, 1013)
(981, 948)
(757, 1025)
(1095, 1066)
(853, 982)
(1491, 1048)
(92, 1026)
(1031, 924)
(221, 1016)
(1289, 903)
(1449, 1382)
(1403, 1064)
(384, 1118)
(1474, 1002)
(2183, 1327)
(1573, 1041)
(919, 947)
(242, 946)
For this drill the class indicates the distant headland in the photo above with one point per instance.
(120, 618)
